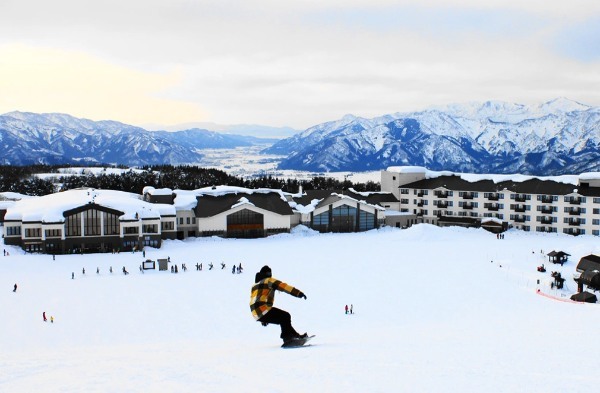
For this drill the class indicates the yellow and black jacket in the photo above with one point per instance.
(263, 295)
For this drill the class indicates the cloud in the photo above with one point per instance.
(51, 80)
(292, 63)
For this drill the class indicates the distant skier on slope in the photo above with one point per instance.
(261, 304)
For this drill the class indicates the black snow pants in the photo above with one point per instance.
(281, 318)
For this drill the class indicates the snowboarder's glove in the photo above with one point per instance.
(264, 323)
(302, 295)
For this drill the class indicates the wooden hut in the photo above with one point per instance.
(591, 278)
(558, 257)
(584, 297)
(589, 262)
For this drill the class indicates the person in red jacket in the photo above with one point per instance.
(262, 298)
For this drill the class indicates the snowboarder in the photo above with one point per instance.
(351, 309)
(261, 304)
(44, 316)
(346, 309)
(51, 319)
(110, 269)
(15, 289)
(72, 275)
(125, 270)
(210, 266)
(97, 270)
(222, 265)
(83, 271)
(233, 269)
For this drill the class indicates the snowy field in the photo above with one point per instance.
(436, 310)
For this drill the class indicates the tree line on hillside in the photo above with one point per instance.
(22, 179)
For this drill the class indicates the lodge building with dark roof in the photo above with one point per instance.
(531, 205)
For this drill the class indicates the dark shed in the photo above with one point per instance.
(589, 262)
(585, 297)
(558, 257)
(591, 278)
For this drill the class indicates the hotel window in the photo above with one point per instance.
(111, 224)
(91, 222)
(130, 230)
(149, 228)
(13, 231)
(73, 225)
(53, 233)
(33, 232)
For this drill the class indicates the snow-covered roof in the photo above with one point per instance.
(491, 219)
(343, 196)
(589, 176)
(157, 191)
(496, 178)
(242, 201)
(13, 196)
(305, 209)
(50, 208)
(187, 199)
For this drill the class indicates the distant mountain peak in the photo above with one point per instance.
(556, 137)
(563, 105)
(57, 138)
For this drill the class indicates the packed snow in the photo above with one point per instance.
(435, 310)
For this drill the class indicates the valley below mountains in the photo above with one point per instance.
(557, 137)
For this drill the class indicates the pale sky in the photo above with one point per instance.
(291, 63)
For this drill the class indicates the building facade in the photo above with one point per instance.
(83, 221)
(530, 205)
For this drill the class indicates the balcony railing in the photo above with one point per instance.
(442, 205)
(574, 223)
(442, 195)
(519, 219)
(547, 200)
(493, 208)
(493, 197)
(575, 212)
(546, 220)
(574, 232)
(468, 206)
(520, 198)
(468, 196)
(520, 209)
(546, 210)
(575, 201)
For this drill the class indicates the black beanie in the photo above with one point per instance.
(264, 273)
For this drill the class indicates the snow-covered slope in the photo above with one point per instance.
(559, 136)
(436, 310)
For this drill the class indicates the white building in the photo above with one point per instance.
(565, 204)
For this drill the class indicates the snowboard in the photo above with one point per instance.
(300, 342)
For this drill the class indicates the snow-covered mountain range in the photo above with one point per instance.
(556, 137)
(54, 138)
